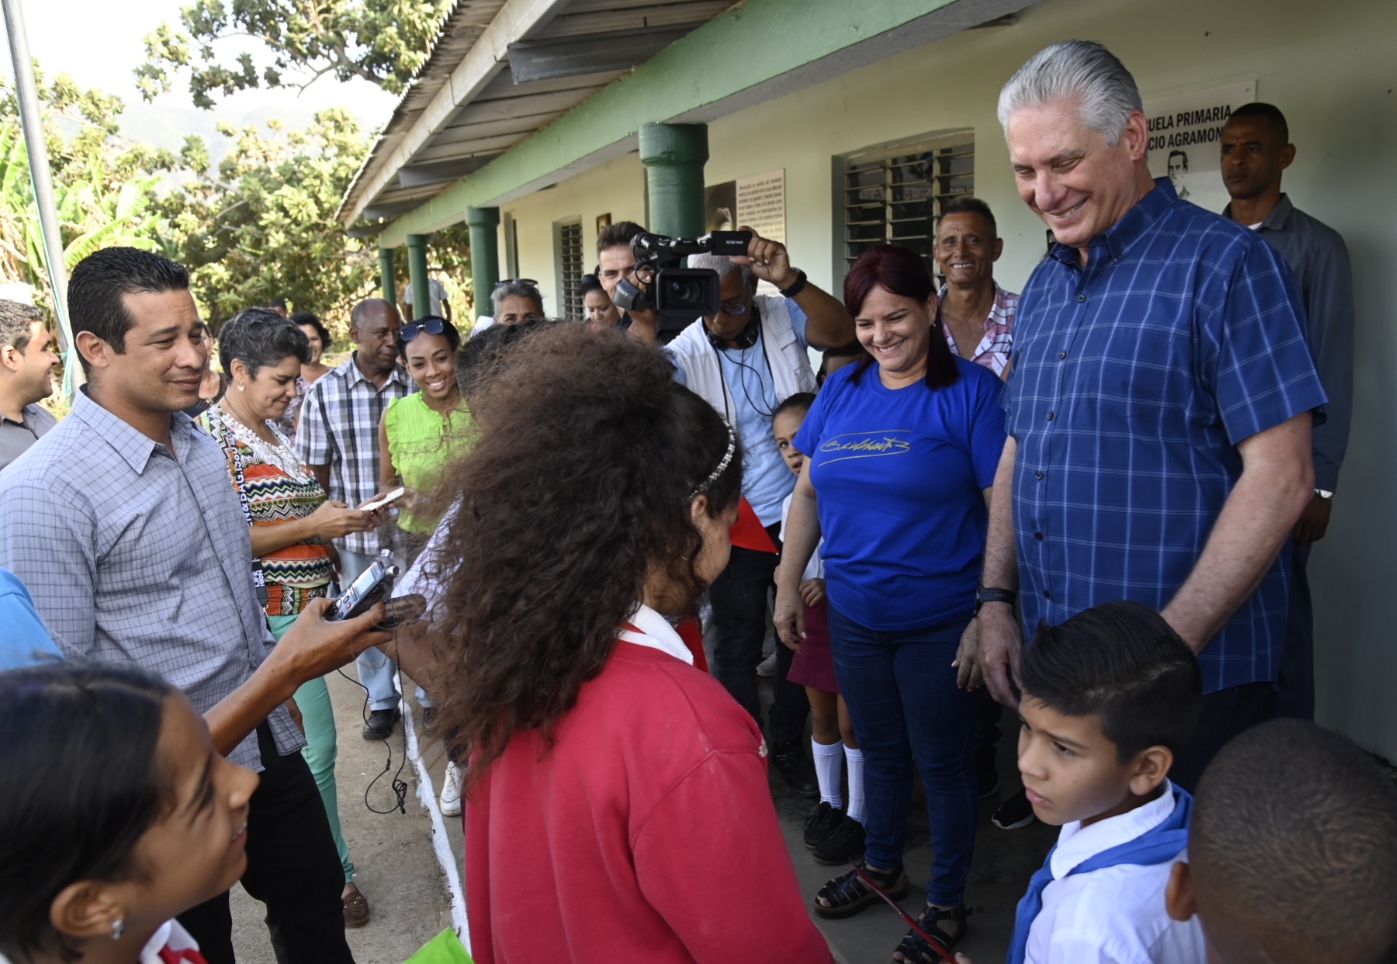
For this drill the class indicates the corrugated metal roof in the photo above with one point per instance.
(465, 108)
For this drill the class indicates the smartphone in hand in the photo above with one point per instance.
(388, 499)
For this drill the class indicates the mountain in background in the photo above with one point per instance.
(162, 125)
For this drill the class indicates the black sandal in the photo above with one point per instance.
(915, 950)
(847, 894)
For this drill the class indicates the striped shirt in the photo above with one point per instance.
(339, 428)
(136, 553)
(995, 347)
(1134, 380)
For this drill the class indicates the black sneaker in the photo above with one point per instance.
(986, 773)
(790, 763)
(379, 725)
(845, 843)
(822, 822)
(1014, 813)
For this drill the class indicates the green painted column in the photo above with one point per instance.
(386, 282)
(485, 255)
(417, 275)
(674, 155)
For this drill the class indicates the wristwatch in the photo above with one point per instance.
(985, 594)
(1324, 494)
(796, 285)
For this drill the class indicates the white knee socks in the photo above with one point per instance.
(828, 763)
(855, 760)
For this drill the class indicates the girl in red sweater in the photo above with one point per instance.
(617, 799)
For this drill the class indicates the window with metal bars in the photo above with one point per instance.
(895, 192)
(569, 248)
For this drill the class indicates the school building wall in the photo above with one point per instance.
(1328, 66)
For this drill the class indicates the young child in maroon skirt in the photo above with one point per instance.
(835, 833)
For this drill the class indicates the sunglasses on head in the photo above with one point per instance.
(432, 326)
(517, 281)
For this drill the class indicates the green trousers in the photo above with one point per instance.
(318, 717)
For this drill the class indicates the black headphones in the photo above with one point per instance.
(745, 338)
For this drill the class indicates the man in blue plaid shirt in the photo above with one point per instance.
(1159, 410)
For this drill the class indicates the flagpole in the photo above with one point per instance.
(26, 92)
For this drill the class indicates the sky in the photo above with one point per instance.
(99, 42)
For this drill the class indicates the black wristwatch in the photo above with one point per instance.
(985, 594)
(796, 285)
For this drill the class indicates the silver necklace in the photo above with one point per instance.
(281, 454)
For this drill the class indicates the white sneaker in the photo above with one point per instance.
(451, 791)
(767, 667)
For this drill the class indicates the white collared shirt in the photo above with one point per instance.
(1115, 915)
(815, 568)
(656, 633)
(170, 935)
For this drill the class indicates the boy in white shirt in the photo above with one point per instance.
(1293, 851)
(1109, 699)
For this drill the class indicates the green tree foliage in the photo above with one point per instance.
(261, 223)
(258, 224)
(382, 41)
(103, 186)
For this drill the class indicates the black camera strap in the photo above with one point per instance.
(217, 419)
(744, 367)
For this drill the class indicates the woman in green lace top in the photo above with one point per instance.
(421, 433)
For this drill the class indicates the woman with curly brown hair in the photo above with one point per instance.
(618, 805)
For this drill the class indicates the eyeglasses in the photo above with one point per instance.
(432, 326)
(734, 308)
(517, 281)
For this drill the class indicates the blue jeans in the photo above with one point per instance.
(906, 708)
(376, 671)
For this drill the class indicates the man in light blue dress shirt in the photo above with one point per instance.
(134, 547)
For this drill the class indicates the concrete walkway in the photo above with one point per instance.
(1003, 863)
(397, 869)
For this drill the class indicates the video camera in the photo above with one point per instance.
(678, 294)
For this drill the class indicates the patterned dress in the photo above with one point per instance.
(277, 490)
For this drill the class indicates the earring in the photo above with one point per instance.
(242, 388)
(118, 928)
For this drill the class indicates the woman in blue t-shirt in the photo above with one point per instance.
(900, 453)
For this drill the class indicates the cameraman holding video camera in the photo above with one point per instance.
(744, 360)
(616, 263)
